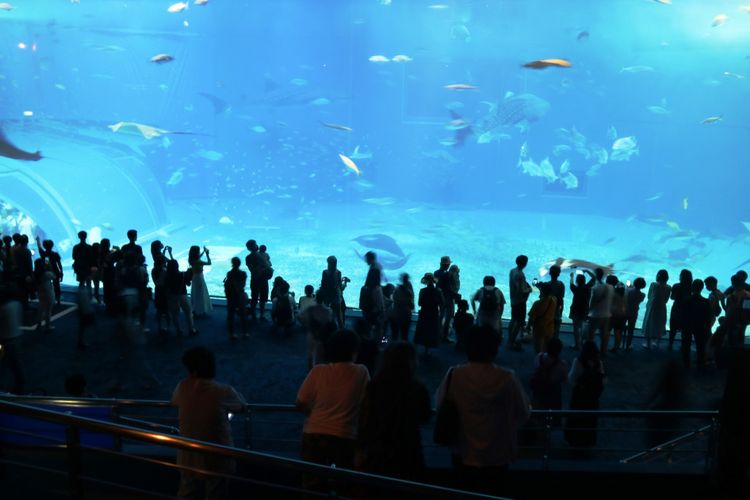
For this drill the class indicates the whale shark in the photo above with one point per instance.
(8, 150)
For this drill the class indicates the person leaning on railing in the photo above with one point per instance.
(203, 409)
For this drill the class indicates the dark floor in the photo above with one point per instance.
(269, 366)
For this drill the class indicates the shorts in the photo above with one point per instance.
(518, 312)
(617, 323)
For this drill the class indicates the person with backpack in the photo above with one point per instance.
(542, 317)
(234, 291)
(491, 305)
(587, 378)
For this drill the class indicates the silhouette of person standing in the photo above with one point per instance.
(259, 265)
(82, 260)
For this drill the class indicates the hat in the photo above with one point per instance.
(445, 259)
(428, 278)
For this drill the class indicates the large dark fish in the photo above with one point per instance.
(379, 242)
(519, 110)
(219, 104)
(389, 261)
(8, 150)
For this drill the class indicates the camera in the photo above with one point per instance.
(346, 280)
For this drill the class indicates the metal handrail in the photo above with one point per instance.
(668, 445)
(75, 423)
(284, 408)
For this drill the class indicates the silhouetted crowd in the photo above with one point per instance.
(361, 413)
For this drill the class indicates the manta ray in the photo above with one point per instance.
(8, 150)
(575, 264)
(147, 131)
(390, 255)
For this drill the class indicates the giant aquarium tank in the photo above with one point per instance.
(611, 132)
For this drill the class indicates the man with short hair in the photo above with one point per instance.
(443, 282)
(698, 320)
(204, 408)
(234, 290)
(82, 260)
(131, 246)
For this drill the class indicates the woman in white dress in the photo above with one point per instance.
(199, 291)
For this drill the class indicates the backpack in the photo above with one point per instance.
(489, 301)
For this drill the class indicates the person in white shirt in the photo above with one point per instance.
(492, 406)
(204, 406)
(600, 310)
(330, 397)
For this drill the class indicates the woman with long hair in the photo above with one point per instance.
(199, 298)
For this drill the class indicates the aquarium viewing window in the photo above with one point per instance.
(608, 132)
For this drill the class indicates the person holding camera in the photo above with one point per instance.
(199, 297)
(331, 291)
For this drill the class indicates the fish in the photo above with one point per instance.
(350, 164)
(623, 148)
(460, 32)
(583, 35)
(745, 8)
(210, 155)
(176, 177)
(655, 197)
(746, 224)
(162, 58)
(300, 82)
(320, 101)
(8, 150)
(225, 220)
(336, 126)
(489, 136)
(673, 225)
(685, 203)
(569, 180)
(378, 59)
(565, 263)
(178, 7)
(560, 149)
(514, 110)
(401, 58)
(220, 105)
(548, 63)
(200, 2)
(147, 131)
(381, 242)
(6, 6)
(664, 2)
(383, 202)
(712, 119)
(611, 133)
(438, 6)
(719, 20)
(660, 109)
(734, 75)
(636, 69)
(460, 86)
(359, 155)
(259, 129)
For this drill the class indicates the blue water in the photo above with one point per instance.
(251, 81)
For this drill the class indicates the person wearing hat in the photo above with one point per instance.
(447, 284)
(428, 318)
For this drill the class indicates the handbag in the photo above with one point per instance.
(448, 421)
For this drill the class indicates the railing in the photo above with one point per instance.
(78, 479)
(624, 438)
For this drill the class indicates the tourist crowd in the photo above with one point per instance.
(360, 413)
